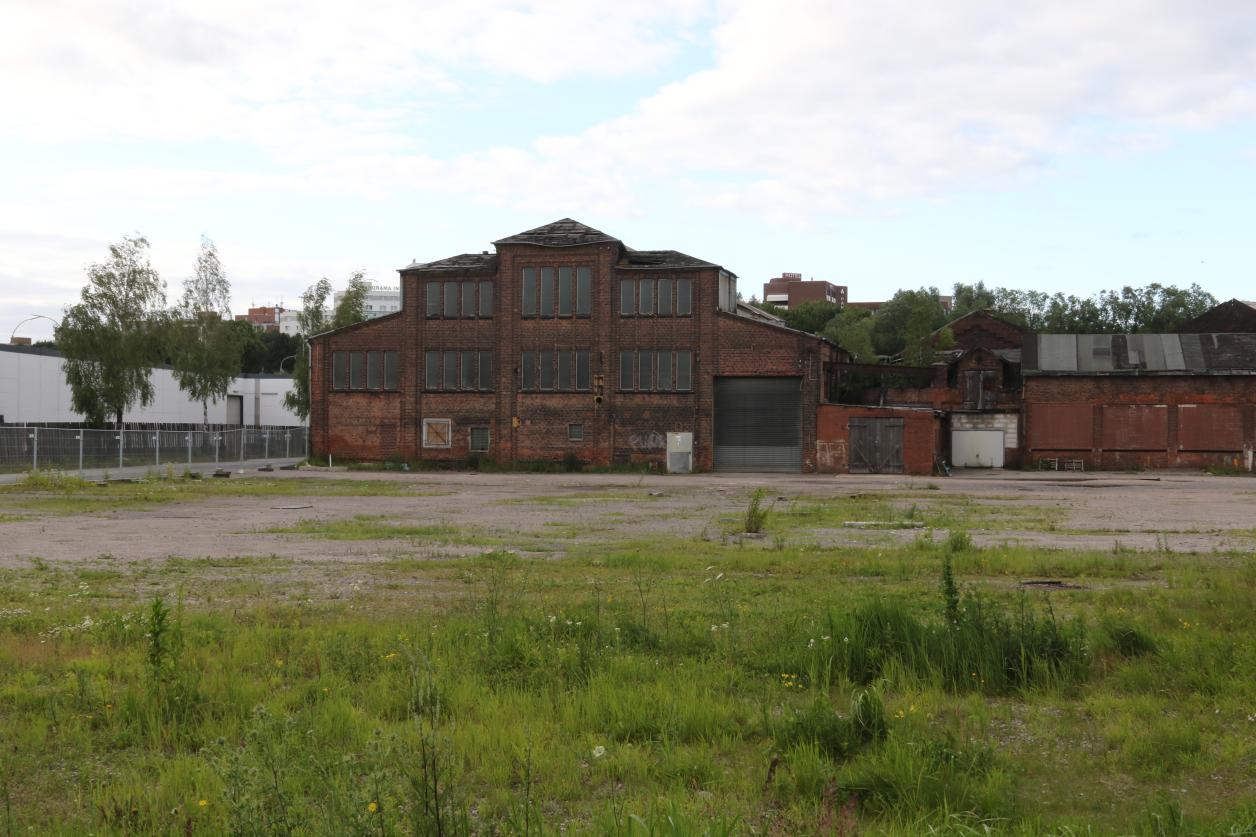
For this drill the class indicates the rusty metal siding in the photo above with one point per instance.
(1060, 427)
(1212, 427)
(1135, 427)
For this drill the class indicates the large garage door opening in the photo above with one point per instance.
(758, 424)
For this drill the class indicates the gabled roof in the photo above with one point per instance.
(562, 233)
(660, 259)
(465, 263)
(1135, 354)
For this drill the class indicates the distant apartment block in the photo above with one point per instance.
(380, 300)
(263, 318)
(789, 289)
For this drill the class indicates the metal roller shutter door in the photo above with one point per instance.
(758, 424)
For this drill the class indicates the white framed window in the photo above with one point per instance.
(575, 432)
(437, 433)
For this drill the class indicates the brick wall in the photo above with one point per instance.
(1160, 421)
(922, 436)
(615, 426)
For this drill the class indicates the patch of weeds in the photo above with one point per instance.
(363, 528)
(756, 513)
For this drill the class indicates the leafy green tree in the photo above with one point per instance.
(906, 318)
(112, 338)
(352, 305)
(207, 348)
(811, 317)
(313, 320)
(852, 330)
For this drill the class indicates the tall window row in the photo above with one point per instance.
(561, 371)
(656, 370)
(458, 370)
(557, 292)
(364, 370)
(459, 300)
(651, 297)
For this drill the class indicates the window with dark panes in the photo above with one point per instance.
(665, 370)
(547, 292)
(431, 370)
(684, 370)
(357, 370)
(565, 291)
(546, 362)
(451, 300)
(684, 297)
(647, 296)
(479, 440)
(627, 360)
(469, 380)
(391, 377)
(468, 299)
(627, 297)
(665, 298)
(451, 370)
(584, 291)
(339, 370)
(529, 371)
(486, 371)
(374, 370)
(486, 299)
(565, 371)
(582, 369)
(575, 432)
(432, 309)
(529, 292)
(645, 370)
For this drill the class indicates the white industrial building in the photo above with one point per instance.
(380, 300)
(33, 390)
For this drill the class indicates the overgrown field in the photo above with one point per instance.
(718, 684)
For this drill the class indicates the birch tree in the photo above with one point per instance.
(206, 350)
(112, 337)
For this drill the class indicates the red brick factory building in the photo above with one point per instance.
(1133, 401)
(564, 342)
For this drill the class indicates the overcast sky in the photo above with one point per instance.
(1075, 146)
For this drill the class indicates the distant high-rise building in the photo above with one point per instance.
(380, 300)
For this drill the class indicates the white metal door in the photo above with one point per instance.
(977, 448)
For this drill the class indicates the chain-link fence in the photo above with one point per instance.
(72, 449)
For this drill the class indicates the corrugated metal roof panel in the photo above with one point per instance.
(1192, 351)
(1094, 353)
(1057, 352)
(1172, 345)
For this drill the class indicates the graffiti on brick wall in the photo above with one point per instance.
(831, 455)
(647, 441)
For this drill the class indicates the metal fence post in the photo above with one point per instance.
(266, 443)
(35, 449)
(217, 439)
(157, 448)
(287, 444)
(242, 432)
(121, 433)
(81, 433)
(189, 449)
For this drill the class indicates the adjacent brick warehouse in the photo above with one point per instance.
(1145, 422)
(1142, 401)
(526, 353)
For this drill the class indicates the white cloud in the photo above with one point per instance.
(809, 107)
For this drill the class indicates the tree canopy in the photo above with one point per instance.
(113, 336)
(313, 320)
(206, 348)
